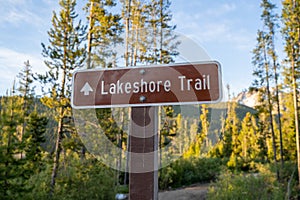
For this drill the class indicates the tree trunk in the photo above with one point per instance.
(295, 94)
(57, 152)
(89, 49)
(295, 99)
(8, 149)
(136, 45)
(270, 110)
(161, 32)
(60, 121)
(277, 101)
(120, 143)
(127, 28)
(279, 117)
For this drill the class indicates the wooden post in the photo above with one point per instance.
(143, 177)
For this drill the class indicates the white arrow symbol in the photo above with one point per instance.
(86, 89)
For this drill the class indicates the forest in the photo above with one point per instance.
(242, 152)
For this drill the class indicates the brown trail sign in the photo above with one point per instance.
(187, 83)
(142, 88)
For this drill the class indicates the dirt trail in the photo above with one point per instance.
(190, 193)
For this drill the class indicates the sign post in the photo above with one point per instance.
(143, 89)
(143, 177)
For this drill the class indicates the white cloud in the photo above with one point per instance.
(215, 25)
(14, 2)
(16, 16)
(218, 32)
(220, 10)
(17, 12)
(11, 62)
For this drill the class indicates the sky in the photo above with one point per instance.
(224, 29)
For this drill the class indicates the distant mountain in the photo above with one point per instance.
(247, 98)
(251, 99)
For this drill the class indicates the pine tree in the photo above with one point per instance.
(263, 136)
(201, 142)
(270, 20)
(136, 34)
(232, 127)
(104, 33)
(167, 37)
(126, 14)
(33, 139)
(150, 38)
(263, 82)
(203, 129)
(231, 141)
(289, 137)
(229, 133)
(27, 94)
(194, 149)
(64, 54)
(26, 90)
(11, 180)
(291, 34)
(162, 41)
(249, 141)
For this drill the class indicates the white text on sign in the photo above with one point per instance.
(143, 86)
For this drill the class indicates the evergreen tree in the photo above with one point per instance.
(162, 41)
(136, 34)
(104, 33)
(11, 179)
(263, 136)
(231, 130)
(167, 38)
(150, 38)
(270, 20)
(193, 150)
(229, 134)
(289, 135)
(263, 82)
(231, 141)
(291, 34)
(26, 90)
(64, 54)
(249, 149)
(27, 94)
(203, 129)
(201, 142)
(33, 139)
(126, 14)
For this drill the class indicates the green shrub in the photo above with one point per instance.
(289, 174)
(76, 181)
(188, 171)
(123, 189)
(288, 177)
(246, 186)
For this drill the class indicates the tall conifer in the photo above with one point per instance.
(64, 54)
(27, 95)
(270, 21)
(103, 34)
(263, 82)
(11, 180)
(291, 34)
